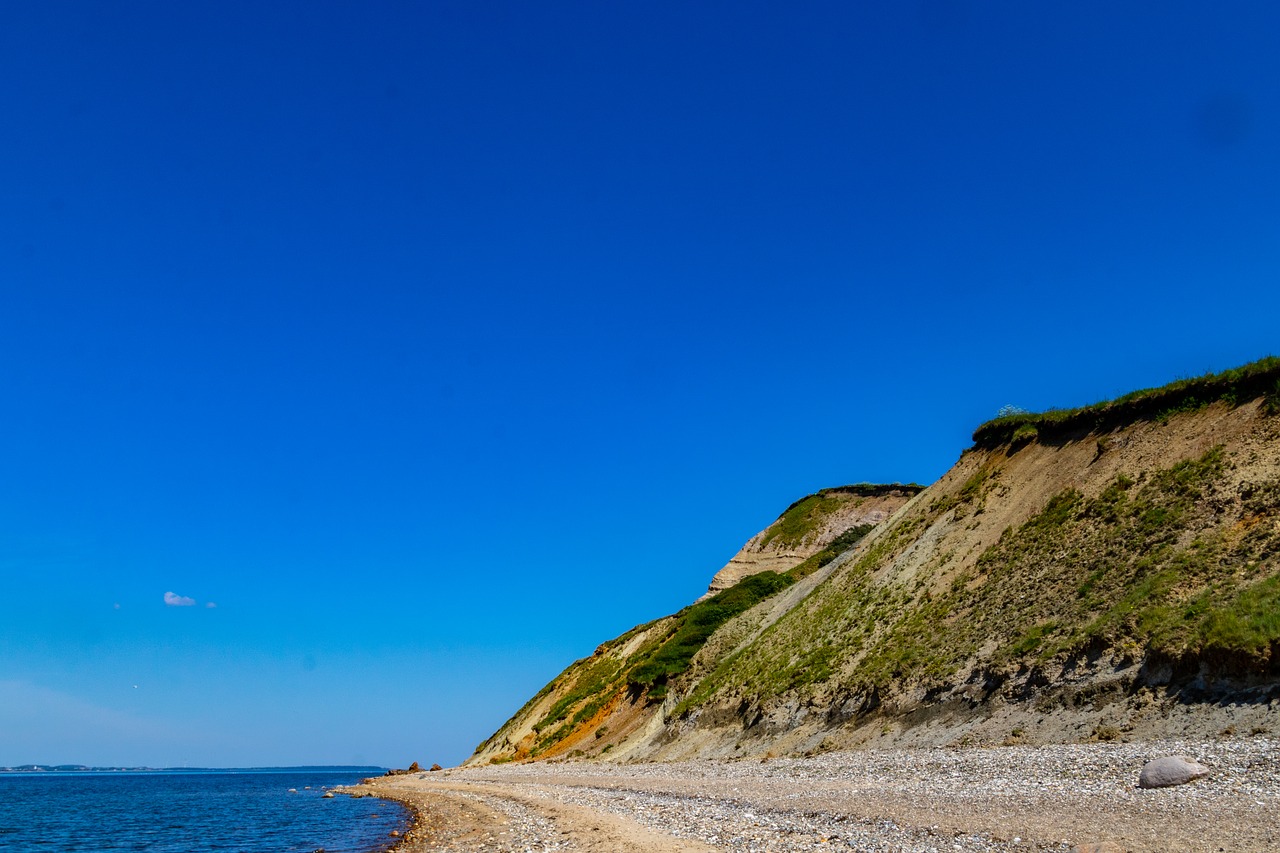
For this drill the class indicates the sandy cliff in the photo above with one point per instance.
(809, 525)
(1100, 574)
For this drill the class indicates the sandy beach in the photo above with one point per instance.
(1064, 797)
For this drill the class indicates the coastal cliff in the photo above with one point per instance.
(809, 525)
(1104, 573)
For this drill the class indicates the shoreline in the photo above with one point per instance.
(432, 819)
(401, 843)
(1063, 797)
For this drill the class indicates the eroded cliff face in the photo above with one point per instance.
(1104, 586)
(587, 701)
(611, 703)
(1113, 577)
(809, 525)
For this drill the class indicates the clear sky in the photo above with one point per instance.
(424, 346)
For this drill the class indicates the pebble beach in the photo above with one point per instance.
(1060, 797)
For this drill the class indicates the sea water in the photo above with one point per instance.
(178, 812)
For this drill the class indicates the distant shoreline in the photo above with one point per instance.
(69, 769)
(184, 812)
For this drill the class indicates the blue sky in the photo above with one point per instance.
(435, 343)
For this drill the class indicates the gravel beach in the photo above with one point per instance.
(1063, 797)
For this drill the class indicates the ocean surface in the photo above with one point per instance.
(178, 812)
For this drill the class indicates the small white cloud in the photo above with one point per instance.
(211, 605)
(115, 606)
(174, 600)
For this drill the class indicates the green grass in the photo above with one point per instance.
(1248, 621)
(1257, 379)
(697, 623)
(806, 515)
(1031, 639)
(838, 546)
(909, 649)
(595, 677)
(801, 519)
(1271, 401)
(1024, 433)
(809, 644)
(1114, 569)
(973, 490)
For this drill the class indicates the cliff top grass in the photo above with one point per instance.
(862, 490)
(806, 514)
(1238, 385)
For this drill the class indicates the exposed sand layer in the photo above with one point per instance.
(1008, 798)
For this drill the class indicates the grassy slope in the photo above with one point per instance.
(799, 521)
(1148, 565)
(1115, 570)
(1152, 569)
(589, 685)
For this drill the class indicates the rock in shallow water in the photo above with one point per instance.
(1169, 771)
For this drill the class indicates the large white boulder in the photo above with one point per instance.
(1172, 770)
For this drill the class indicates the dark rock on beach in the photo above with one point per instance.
(412, 768)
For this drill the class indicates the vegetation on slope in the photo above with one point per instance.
(1142, 568)
(588, 686)
(1238, 385)
(590, 691)
(695, 624)
(1177, 568)
(800, 520)
(838, 546)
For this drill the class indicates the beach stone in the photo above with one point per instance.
(435, 767)
(413, 768)
(1169, 771)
